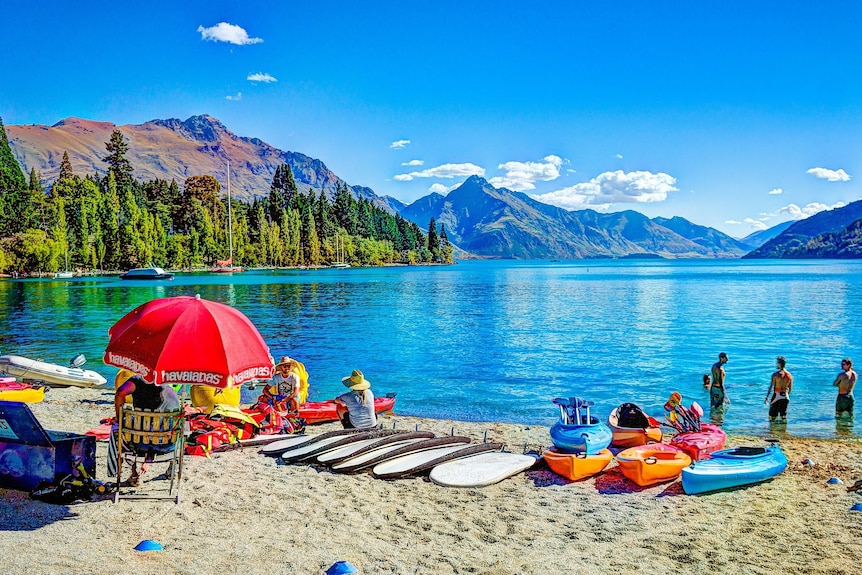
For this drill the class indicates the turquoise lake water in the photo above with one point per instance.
(497, 340)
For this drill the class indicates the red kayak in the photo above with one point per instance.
(323, 411)
(699, 444)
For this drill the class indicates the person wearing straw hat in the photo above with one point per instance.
(283, 388)
(355, 408)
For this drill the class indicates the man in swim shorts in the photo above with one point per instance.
(780, 387)
(717, 395)
(845, 382)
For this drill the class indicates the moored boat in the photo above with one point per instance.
(322, 411)
(579, 465)
(147, 274)
(12, 390)
(630, 426)
(735, 467)
(577, 430)
(652, 463)
(51, 373)
(700, 444)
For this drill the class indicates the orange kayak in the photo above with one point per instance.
(631, 436)
(579, 465)
(653, 463)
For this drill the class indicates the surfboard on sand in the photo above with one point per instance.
(361, 461)
(418, 462)
(481, 470)
(277, 448)
(359, 447)
(311, 450)
(254, 441)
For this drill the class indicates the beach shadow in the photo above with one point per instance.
(546, 478)
(672, 490)
(612, 482)
(98, 401)
(21, 513)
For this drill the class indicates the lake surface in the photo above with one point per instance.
(496, 341)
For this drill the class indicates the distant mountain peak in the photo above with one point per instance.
(203, 128)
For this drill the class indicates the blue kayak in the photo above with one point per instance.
(577, 430)
(732, 468)
(590, 438)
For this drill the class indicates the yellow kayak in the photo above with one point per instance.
(11, 390)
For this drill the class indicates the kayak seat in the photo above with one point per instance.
(151, 437)
(750, 450)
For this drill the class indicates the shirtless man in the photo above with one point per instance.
(780, 387)
(717, 396)
(845, 382)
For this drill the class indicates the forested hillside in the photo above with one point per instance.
(116, 222)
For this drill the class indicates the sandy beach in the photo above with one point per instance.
(240, 512)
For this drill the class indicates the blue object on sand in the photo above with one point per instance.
(733, 468)
(834, 481)
(342, 568)
(856, 507)
(148, 545)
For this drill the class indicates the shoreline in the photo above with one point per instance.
(241, 512)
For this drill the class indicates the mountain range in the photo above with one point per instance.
(479, 219)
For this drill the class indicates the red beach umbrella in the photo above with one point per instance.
(189, 340)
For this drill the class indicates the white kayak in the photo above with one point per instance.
(50, 373)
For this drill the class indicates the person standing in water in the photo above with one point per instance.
(717, 395)
(780, 387)
(845, 382)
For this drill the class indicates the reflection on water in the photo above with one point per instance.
(495, 341)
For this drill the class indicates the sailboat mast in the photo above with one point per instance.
(229, 216)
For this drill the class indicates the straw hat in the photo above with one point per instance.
(284, 361)
(356, 381)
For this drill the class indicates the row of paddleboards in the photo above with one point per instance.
(451, 461)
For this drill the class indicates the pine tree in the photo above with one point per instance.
(433, 240)
(65, 168)
(11, 176)
(122, 169)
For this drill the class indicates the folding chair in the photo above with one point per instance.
(151, 437)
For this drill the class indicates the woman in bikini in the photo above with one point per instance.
(780, 387)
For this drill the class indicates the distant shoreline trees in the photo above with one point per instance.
(115, 222)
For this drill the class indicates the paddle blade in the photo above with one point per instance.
(696, 409)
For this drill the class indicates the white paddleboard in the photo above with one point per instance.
(359, 461)
(337, 455)
(278, 447)
(481, 470)
(413, 462)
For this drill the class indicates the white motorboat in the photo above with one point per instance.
(51, 373)
(147, 274)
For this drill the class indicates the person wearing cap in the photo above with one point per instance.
(355, 408)
(717, 393)
(283, 388)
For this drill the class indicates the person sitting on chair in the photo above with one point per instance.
(355, 408)
(144, 395)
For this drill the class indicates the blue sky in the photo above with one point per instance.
(735, 115)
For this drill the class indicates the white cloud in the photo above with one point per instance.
(230, 33)
(830, 175)
(441, 189)
(732, 222)
(619, 156)
(444, 171)
(755, 224)
(261, 77)
(776, 192)
(613, 188)
(800, 213)
(520, 176)
(234, 98)
(413, 163)
(398, 144)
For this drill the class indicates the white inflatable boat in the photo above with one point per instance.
(51, 373)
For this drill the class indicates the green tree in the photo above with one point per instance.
(117, 148)
(65, 168)
(433, 240)
(11, 176)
